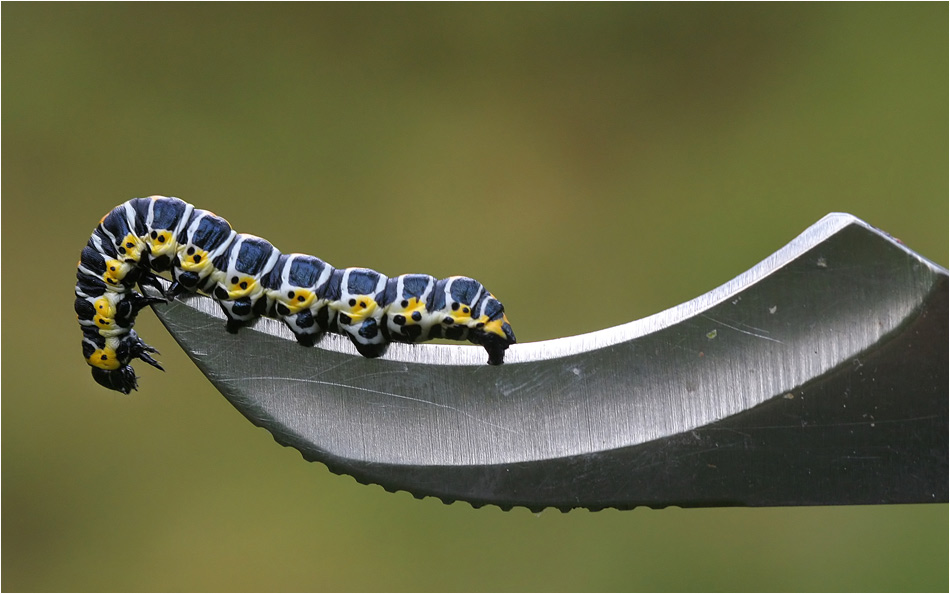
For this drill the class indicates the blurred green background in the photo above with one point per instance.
(540, 148)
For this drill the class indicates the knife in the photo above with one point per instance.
(818, 377)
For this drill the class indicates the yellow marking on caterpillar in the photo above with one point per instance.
(359, 311)
(301, 300)
(414, 305)
(244, 287)
(495, 327)
(115, 272)
(133, 247)
(463, 316)
(105, 313)
(195, 262)
(104, 358)
(161, 244)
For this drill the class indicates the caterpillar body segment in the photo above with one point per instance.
(250, 278)
(409, 313)
(109, 312)
(119, 228)
(203, 239)
(238, 278)
(296, 291)
(356, 308)
(160, 222)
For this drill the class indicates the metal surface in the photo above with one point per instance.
(817, 377)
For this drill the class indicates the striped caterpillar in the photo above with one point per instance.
(249, 278)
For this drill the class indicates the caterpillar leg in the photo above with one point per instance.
(130, 307)
(370, 351)
(305, 328)
(148, 279)
(368, 339)
(307, 340)
(237, 314)
(396, 328)
(175, 289)
(242, 312)
(133, 347)
(144, 351)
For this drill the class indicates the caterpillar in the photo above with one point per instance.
(249, 278)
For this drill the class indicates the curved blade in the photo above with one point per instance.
(817, 377)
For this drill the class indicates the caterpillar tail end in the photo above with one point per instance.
(496, 356)
(495, 344)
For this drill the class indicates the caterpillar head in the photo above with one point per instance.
(122, 379)
(109, 367)
(110, 358)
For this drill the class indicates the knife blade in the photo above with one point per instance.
(817, 377)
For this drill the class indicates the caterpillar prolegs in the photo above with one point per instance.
(249, 278)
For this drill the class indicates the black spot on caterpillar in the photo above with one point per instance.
(249, 278)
